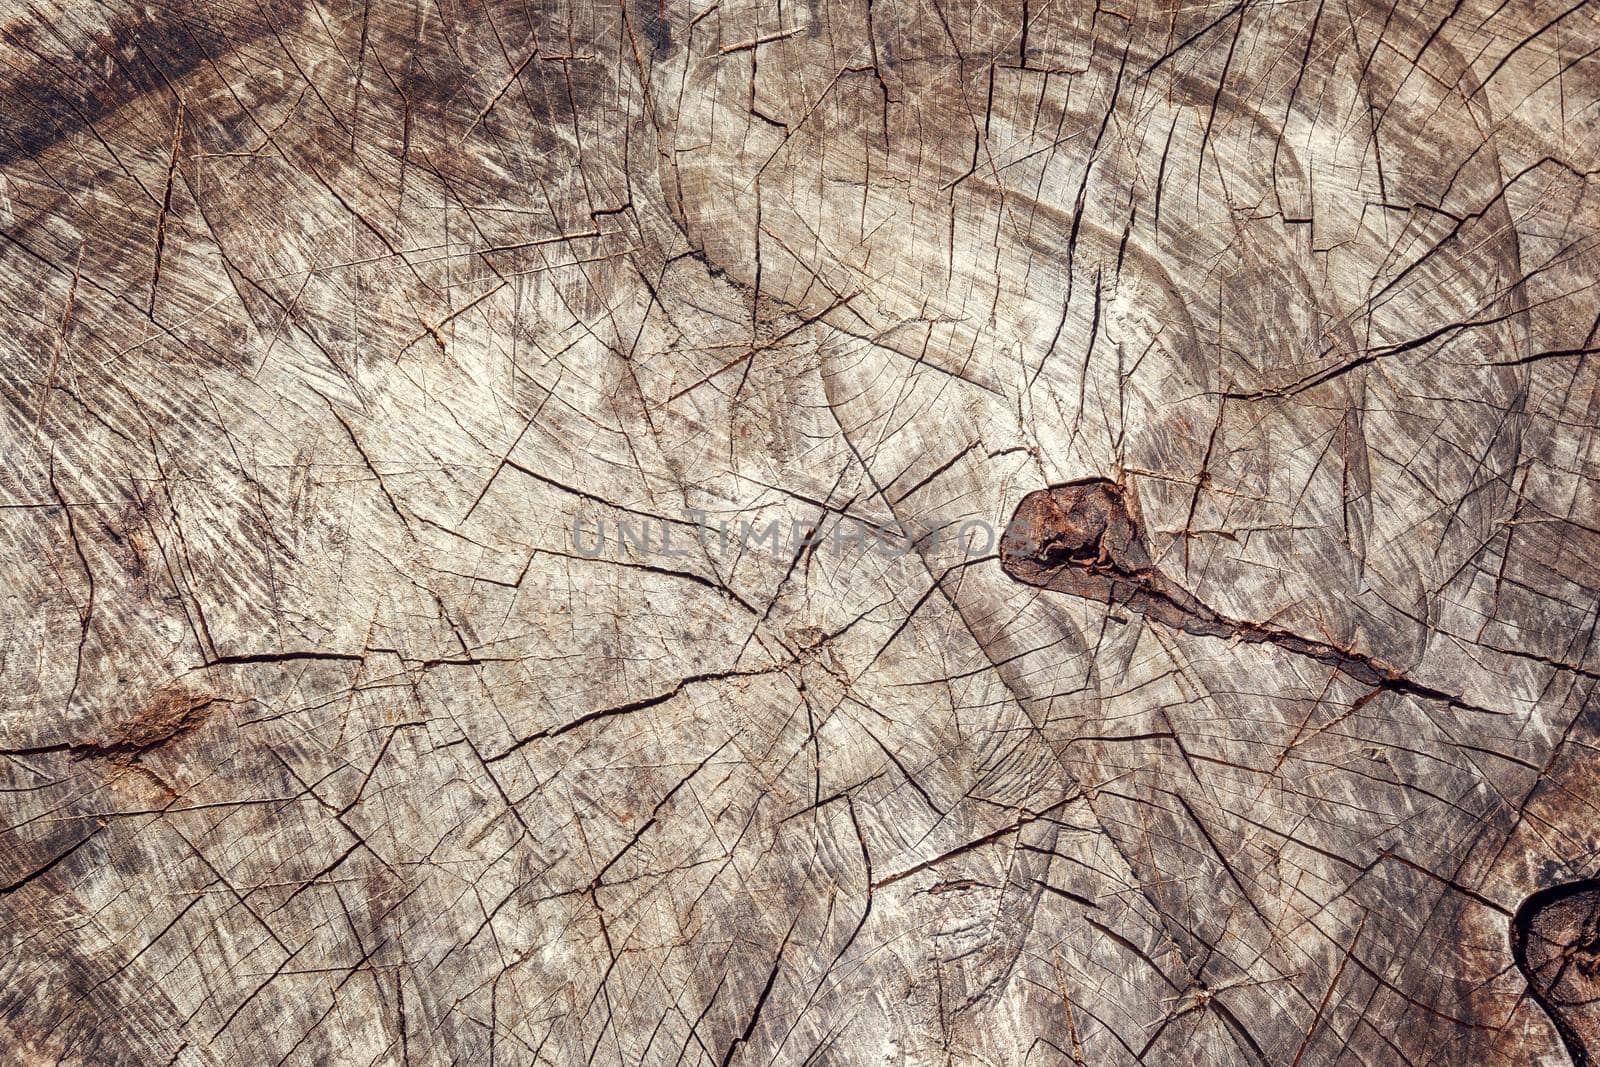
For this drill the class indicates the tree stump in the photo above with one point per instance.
(839, 533)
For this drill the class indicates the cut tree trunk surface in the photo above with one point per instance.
(800, 533)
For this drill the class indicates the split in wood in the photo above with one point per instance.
(1084, 538)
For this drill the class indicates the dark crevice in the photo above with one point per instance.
(166, 719)
(1084, 539)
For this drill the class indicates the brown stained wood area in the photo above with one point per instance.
(730, 533)
(1556, 941)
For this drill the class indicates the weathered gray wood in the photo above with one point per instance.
(334, 331)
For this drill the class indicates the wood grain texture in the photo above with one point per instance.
(329, 326)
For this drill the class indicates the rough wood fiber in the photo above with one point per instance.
(327, 742)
